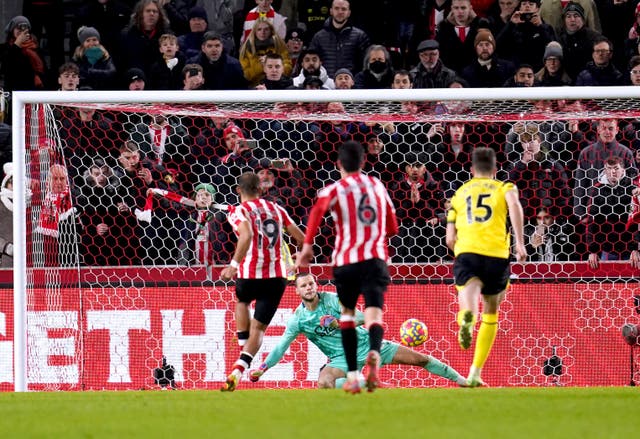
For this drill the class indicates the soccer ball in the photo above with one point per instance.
(413, 333)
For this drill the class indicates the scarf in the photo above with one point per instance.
(29, 49)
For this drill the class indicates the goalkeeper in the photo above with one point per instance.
(317, 318)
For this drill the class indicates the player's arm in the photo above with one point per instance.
(244, 242)
(517, 222)
(290, 334)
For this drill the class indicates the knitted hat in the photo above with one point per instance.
(87, 32)
(553, 49)
(232, 129)
(343, 71)
(134, 74)
(198, 12)
(484, 35)
(207, 187)
(295, 33)
(573, 7)
(15, 22)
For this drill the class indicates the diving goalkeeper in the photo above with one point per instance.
(317, 318)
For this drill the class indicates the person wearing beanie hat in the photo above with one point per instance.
(85, 32)
(135, 79)
(97, 69)
(198, 12)
(553, 13)
(190, 41)
(576, 39)
(487, 70)
(552, 74)
(22, 66)
(525, 37)
(343, 79)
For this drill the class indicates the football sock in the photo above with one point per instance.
(243, 362)
(349, 341)
(461, 318)
(376, 331)
(437, 367)
(486, 337)
(243, 336)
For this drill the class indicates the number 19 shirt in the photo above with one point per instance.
(264, 259)
(479, 211)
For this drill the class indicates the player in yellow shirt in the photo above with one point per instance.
(477, 233)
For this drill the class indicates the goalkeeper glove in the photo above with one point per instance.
(329, 321)
(255, 375)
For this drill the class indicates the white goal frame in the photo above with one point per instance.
(20, 99)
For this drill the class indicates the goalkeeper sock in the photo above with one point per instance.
(437, 367)
(349, 341)
(376, 332)
(243, 336)
(486, 337)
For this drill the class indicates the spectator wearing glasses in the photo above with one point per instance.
(600, 71)
(634, 70)
(431, 72)
(553, 73)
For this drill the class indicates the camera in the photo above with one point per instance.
(526, 16)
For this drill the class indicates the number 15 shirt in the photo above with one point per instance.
(479, 211)
(363, 214)
(267, 220)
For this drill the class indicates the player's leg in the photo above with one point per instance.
(404, 355)
(486, 336)
(468, 298)
(466, 269)
(496, 282)
(347, 287)
(376, 278)
(266, 305)
(243, 322)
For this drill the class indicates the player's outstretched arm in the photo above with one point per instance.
(290, 334)
(517, 223)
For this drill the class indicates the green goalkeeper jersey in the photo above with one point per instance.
(328, 340)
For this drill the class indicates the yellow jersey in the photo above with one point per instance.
(479, 211)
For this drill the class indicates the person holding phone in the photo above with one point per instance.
(23, 67)
(524, 38)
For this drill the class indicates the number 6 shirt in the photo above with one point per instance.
(267, 220)
(364, 216)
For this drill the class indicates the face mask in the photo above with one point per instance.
(93, 54)
(378, 66)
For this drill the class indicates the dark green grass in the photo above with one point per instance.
(595, 412)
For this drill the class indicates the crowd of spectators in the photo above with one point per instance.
(563, 169)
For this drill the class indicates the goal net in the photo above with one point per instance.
(117, 257)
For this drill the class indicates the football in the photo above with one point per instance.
(413, 333)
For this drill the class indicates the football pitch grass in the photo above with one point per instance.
(486, 413)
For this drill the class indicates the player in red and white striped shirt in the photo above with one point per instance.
(259, 265)
(365, 217)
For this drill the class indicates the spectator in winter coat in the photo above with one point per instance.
(430, 71)
(97, 69)
(340, 44)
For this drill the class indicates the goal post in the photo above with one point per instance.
(79, 302)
